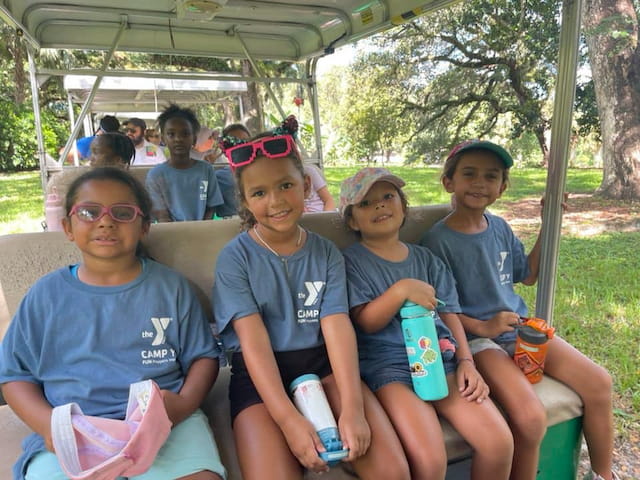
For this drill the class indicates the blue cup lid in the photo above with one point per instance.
(303, 378)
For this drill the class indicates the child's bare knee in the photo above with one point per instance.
(397, 471)
(429, 468)
(529, 423)
(599, 388)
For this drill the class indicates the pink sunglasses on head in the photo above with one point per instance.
(271, 147)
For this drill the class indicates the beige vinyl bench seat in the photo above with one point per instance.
(192, 249)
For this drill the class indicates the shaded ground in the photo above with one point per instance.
(589, 215)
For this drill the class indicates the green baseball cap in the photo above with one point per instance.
(476, 144)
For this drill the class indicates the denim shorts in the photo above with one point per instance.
(189, 449)
(384, 363)
(242, 391)
(479, 344)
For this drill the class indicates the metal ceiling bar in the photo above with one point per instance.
(291, 8)
(558, 156)
(94, 90)
(225, 77)
(61, 8)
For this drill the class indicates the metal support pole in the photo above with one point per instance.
(558, 156)
(94, 90)
(72, 118)
(312, 88)
(260, 74)
(35, 99)
(267, 86)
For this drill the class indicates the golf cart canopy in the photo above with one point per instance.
(137, 94)
(276, 30)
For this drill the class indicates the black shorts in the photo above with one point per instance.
(243, 393)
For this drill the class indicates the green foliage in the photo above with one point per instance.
(18, 149)
(597, 305)
(476, 68)
(21, 203)
(587, 119)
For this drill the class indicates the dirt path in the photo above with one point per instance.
(588, 215)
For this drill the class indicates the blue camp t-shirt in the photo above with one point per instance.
(291, 293)
(184, 193)
(485, 265)
(86, 344)
(369, 276)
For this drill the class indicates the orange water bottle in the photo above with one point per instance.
(531, 347)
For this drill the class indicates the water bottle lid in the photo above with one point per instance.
(303, 378)
(531, 335)
(411, 309)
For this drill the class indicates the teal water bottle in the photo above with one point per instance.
(423, 352)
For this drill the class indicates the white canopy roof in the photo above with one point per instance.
(137, 94)
(282, 30)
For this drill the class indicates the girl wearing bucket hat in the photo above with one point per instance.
(383, 273)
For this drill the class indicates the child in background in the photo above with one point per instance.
(83, 332)
(182, 188)
(223, 174)
(279, 301)
(487, 260)
(319, 198)
(111, 150)
(206, 146)
(382, 273)
(108, 124)
(153, 136)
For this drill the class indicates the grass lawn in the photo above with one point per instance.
(597, 305)
(21, 203)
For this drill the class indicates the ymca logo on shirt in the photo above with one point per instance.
(158, 352)
(311, 298)
(204, 186)
(505, 278)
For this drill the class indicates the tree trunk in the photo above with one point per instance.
(611, 30)
(16, 49)
(251, 102)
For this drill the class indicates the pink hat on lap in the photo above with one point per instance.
(95, 448)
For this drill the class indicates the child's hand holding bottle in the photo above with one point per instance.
(354, 432)
(501, 322)
(417, 291)
(304, 442)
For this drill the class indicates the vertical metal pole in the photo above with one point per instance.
(312, 88)
(260, 74)
(72, 118)
(241, 109)
(558, 156)
(42, 155)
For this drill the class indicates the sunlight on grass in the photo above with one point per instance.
(21, 203)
